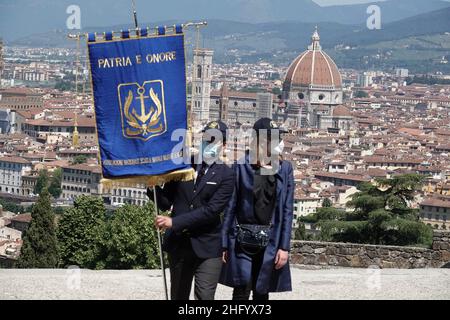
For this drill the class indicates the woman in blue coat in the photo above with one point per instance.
(261, 200)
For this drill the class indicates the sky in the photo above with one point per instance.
(341, 2)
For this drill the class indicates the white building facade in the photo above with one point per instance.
(11, 171)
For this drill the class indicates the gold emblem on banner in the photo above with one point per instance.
(142, 108)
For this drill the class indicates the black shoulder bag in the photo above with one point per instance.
(253, 238)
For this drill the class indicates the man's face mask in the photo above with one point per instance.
(210, 150)
(267, 144)
(211, 145)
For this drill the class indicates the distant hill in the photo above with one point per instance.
(428, 23)
(291, 34)
(280, 42)
(21, 18)
(392, 10)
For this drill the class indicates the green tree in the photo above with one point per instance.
(90, 237)
(42, 181)
(58, 211)
(276, 91)
(300, 231)
(79, 159)
(381, 215)
(361, 94)
(325, 213)
(39, 249)
(399, 191)
(131, 240)
(426, 80)
(11, 206)
(81, 232)
(64, 85)
(55, 183)
(253, 89)
(377, 95)
(326, 203)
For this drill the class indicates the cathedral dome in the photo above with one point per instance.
(313, 68)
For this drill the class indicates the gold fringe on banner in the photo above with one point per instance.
(149, 181)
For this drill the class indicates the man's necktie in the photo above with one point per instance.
(201, 173)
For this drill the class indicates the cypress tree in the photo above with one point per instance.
(42, 181)
(39, 249)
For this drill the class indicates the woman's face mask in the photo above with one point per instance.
(267, 148)
(279, 149)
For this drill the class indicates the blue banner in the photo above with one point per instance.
(139, 89)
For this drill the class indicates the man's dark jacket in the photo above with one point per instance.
(197, 212)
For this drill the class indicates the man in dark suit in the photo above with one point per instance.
(193, 231)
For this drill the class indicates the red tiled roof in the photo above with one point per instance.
(411, 131)
(374, 159)
(85, 167)
(433, 202)
(25, 217)
(18, 90)
(341, 111)
(81, 122)
(235, 94)
(342, 176)
(14, 159)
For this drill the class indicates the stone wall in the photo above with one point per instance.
(363, 256)
(441, 246)
(6, 262)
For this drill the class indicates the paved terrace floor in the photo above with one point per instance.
(308, 284)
